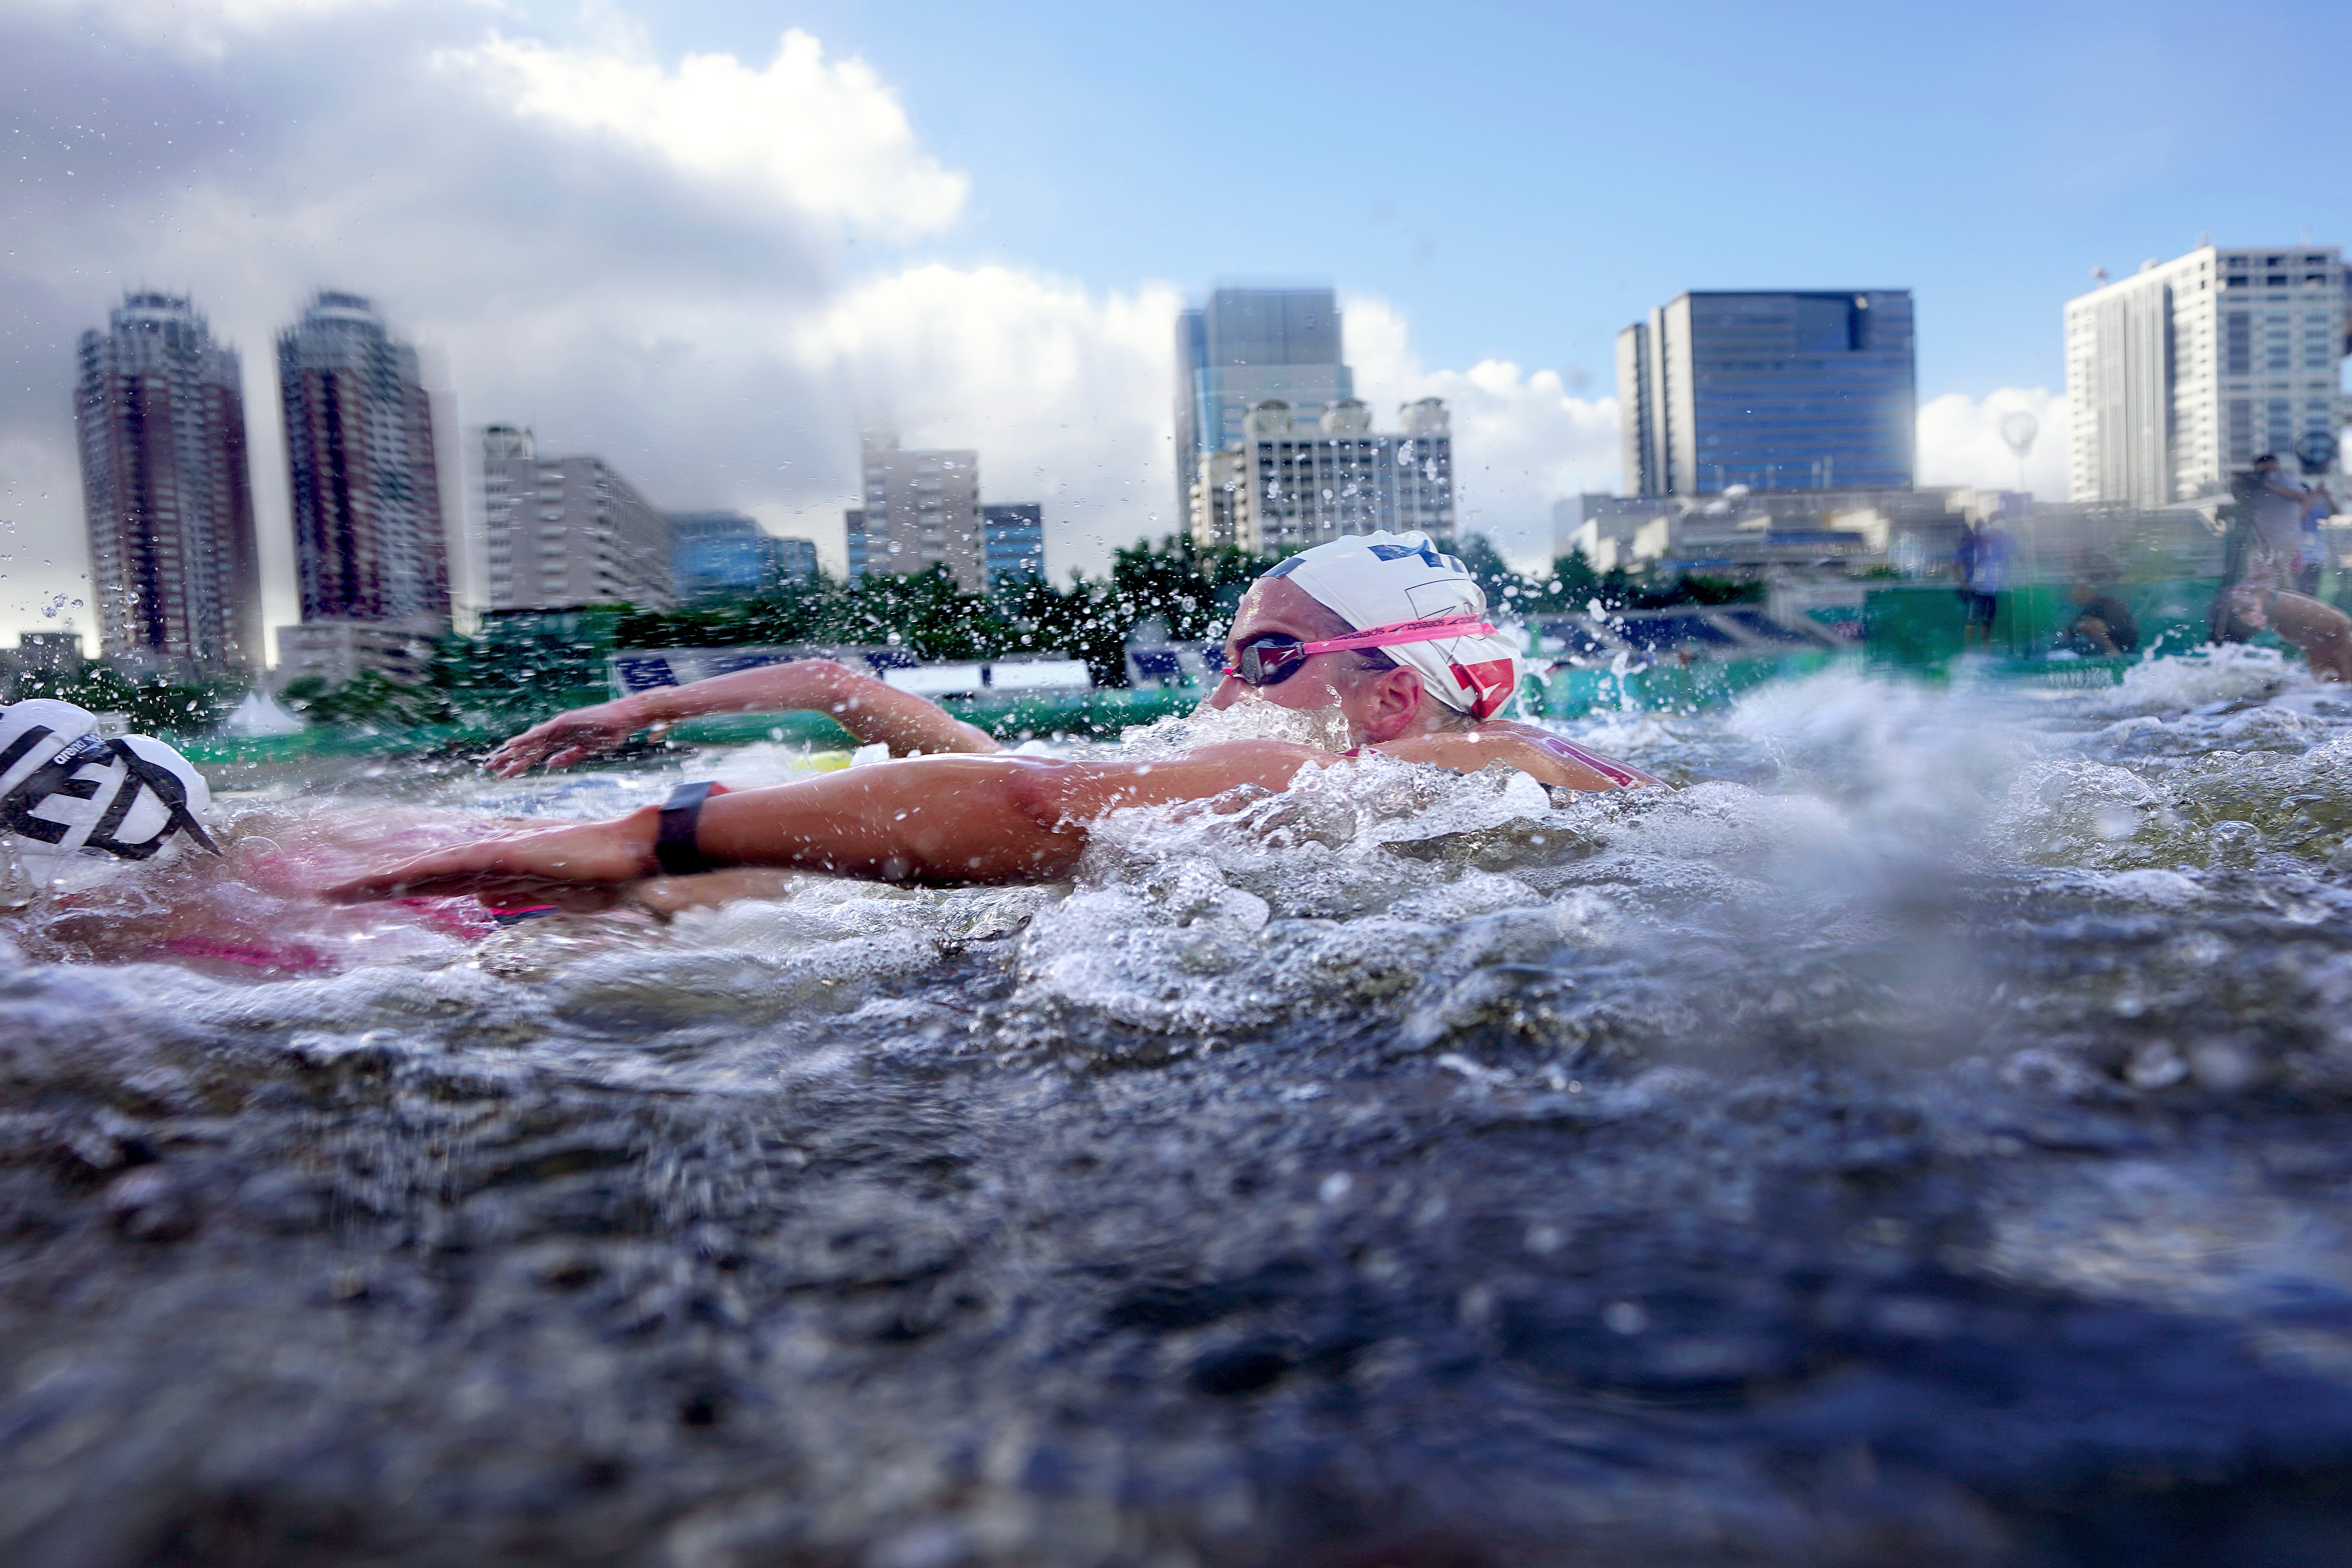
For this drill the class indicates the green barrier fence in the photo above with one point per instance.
(1099, 713)
(1919, 626)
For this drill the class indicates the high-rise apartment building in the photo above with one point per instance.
(1245, 347)
(1774, 391)
(922, 509)
(564, 532)
(2190, 369)
(159, 414)
(1289, 482)
(371, 551)
(1015, 537)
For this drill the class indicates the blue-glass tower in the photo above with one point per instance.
(1799, 391)
(1013, 534)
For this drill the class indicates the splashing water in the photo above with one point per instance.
(1920, 1139)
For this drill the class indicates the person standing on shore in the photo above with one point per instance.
(1982, 564)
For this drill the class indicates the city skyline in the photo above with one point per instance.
(685, 240)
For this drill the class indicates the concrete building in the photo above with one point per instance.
(2189, 368)
(1015, 534)
(719, 554)
(1248, 346)
(1747, 533)
(1601, 528)
(159, 415)
(371, 551)
(565, 532)
(1291, 481)
(922, 509)
(336, 651)
(1773, 391)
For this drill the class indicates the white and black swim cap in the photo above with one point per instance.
(64, 790)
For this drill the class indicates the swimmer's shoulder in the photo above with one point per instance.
(1546, 757)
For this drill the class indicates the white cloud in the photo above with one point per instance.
(1960, 441)
(827, 137)
(1065, 393)
(1521, 439)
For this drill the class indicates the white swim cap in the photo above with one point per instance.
(63, 789)
(1375, 580)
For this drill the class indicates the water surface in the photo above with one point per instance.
(1923, 1139)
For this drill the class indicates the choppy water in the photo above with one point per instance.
(1923, 1139)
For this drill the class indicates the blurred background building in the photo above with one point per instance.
(567, 531)
(1245, 347)
(371, 549)
(1289, 480)
(922, 509)
(1015, 533)
(722, 554)
(2193, 367)
(1773, 391)
(159, 415)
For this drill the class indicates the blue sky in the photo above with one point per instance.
(1523, 179)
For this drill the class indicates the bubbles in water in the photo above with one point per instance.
(2234, 845)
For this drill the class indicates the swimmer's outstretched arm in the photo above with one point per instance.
(873, 710)
(943, 820)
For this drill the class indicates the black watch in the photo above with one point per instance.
(674, 849)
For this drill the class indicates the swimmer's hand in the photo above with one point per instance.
(571, 737)
(584, 866)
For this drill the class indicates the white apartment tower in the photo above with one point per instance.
(1292, 481)
(922, 509)
(2188, 370)
(564, 532)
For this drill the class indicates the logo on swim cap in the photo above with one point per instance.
(64, 790)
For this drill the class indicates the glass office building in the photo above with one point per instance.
(1797, 391)
(1015, 539)
(725, 554)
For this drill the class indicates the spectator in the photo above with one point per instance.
(1982, 566)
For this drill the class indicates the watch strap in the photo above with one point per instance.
(674, 849)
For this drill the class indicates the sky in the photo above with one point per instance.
(707, 239)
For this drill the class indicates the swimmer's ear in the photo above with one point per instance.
(1393, 701)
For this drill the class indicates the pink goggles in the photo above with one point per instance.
(1275, 657)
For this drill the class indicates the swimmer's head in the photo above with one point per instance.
(65, 790)
(1370, 583)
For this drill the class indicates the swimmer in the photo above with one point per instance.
(2262, 596)
(1380, 628)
